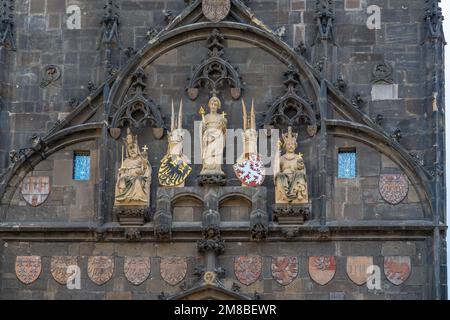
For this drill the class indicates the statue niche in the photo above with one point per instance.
(132, 194)
(175, 168)
(290, 173)
(212, 140)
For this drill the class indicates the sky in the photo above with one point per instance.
(445, 4)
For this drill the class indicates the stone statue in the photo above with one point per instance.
(174, 167)
(212, 134)
(290, 173)
(134, 176)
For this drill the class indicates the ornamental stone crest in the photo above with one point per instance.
(216, 10)
(247, 269)
(35, 190)
(59, 265)
(28, 268)
(284, 269)
(322, 269)
(100, 269)
(397, 269)
(382, 73)
(136, 269)
(393, 187)
(173, 269)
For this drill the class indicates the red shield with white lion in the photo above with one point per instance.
(250, 172)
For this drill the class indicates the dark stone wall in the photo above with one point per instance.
(26, 108)
(69, 200)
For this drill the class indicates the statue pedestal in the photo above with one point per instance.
(212, 179)
(287, 214)
(130, 215)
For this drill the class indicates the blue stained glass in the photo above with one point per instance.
(347, 165)
(81, 166)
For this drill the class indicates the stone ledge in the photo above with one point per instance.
(286, 214)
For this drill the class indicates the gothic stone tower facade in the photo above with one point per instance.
(359, 81)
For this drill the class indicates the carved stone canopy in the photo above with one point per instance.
(139, 110)
(292, 107)
(215, 72)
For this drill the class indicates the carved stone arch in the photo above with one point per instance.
(208, 292)
(415, 173)
(187, 195)
(139, 109)
(171, 39)
(293, 107)
(237, 195)
(215, 71)
(11, 180)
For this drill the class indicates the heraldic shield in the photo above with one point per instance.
(393, 187)
(173, 171)
(357, 269)
(250, 172)
(136, 269)
(28, 268)
(284, 269)
(247, 269)
(35, 190)
(173, 269)
(216, 10)
(100, 269)
(59, 265)
(397, 269)
(322, 269)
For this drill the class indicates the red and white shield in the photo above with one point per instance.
(284, 269)
(247, 269)
(322, 269)
(250, 172)
(397, 269)
(35, 190)
(393, 187)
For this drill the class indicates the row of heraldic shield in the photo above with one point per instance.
(247, 269)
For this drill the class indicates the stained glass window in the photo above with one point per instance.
(347, 164)
(81, 166)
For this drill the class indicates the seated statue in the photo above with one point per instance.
(290, 173)
(134, 176)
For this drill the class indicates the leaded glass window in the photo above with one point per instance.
(81, 166)
(347, 164)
